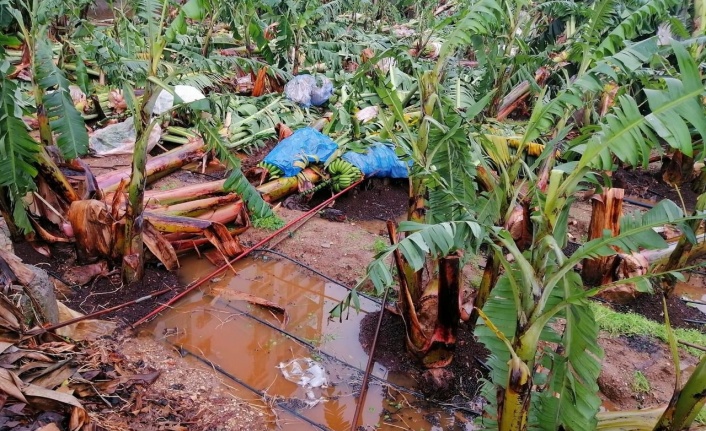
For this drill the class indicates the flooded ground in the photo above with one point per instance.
(247, 343)
(693, 291)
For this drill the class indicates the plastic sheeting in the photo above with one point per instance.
(307, 144)
(165, 99)
(308, 90)
(120, 138)
(379, 161)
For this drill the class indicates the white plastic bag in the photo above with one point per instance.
(308, 374)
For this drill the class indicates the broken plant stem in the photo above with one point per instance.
(218, 271)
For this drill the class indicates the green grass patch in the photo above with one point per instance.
(268, 223)
(379, 246)
(640, 383)
(615, 324)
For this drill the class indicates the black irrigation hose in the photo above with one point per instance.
(320, 274)
(311, 346)
(699, 322)
(252, 389)
(638, 203)
(58, 277)
(323, 353)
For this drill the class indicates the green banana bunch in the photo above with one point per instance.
(273, 170)
(343, 174)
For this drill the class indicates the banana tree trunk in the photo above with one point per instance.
(686, 403)
(157, 167)
(133, 251)
(439, 348)
(514, 400)
(184, 194)
(281, 187)
(607, 210)
(490, 278)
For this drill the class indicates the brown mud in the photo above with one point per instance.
(467, 367)
(105, 291)
(218, 334)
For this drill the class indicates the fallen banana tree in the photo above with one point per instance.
(98, 229)
(157, 167)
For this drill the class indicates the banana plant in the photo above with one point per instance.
(60, 123)
(441, 174)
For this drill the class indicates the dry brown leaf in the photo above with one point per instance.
(49, 427)
(4, 345)
(47, 399)
(11, 385)
(90, 329)
(92, 223)
(159, 246)
(53, 376)
(79, 419)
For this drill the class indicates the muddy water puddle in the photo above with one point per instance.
(693, 289)
(244, 344)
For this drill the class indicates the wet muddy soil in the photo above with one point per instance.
(105, 291)
(648, 184)
(466, 369)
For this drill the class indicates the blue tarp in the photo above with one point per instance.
(305, 144)
(379, 161)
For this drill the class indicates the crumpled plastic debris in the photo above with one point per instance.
(308, 374)
(308, 90)
(120, 138)
(367, 114)
(165, 99)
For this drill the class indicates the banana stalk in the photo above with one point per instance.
(513, 401)
(685, 403)
(197, 207)
(156, 167)
(281, 187)
(638, 420)
(183, 194)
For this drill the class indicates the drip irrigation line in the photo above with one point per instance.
(195, 284)
(699, 322)
(381, 380)
(321, 352)
(98, 313)
(279, 403)
(691, 301)
(638, 203)
(56, 276)
(320, 274)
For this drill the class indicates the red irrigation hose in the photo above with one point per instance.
(97, 313)
(195, 284)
